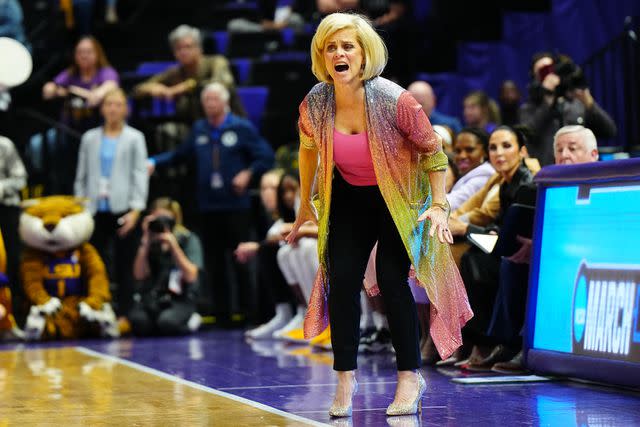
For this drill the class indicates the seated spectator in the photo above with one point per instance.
(447, 137)
(84, 83)
(509, 101)
(112, 175)
(273, 15)
(483, 208)
(479, 270)
(82, 86)
(184, 82)
(168, 266)
(298, 260)
(572, 145)
(480, 111)
(575, 144)
(554, 102)
(471, 154)
(269, 199)
(269, 274)
(423, 93)
(228, 153)
(452, 174)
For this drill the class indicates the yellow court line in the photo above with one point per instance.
(78, 386)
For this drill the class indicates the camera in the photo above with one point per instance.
(571, 75)
(161, 224)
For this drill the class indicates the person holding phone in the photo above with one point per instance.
(167, 268)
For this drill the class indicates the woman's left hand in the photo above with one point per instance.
(439, 223)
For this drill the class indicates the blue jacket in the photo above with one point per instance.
(240, 147)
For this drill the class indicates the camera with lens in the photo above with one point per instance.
(161, 224)
(571, 75)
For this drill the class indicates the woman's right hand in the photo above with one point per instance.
(306, 213)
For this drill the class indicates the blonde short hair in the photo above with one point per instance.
(374, 49)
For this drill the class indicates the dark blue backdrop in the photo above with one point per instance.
(578, 28)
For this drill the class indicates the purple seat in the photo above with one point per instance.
(254, 99)
(243, 69)
(146, 69)
(221, 39)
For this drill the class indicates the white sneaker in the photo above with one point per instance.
(296, 322)
(266, 330)
(194, 322)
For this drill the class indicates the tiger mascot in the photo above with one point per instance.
(64, 278)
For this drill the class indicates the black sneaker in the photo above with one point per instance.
(366, 339)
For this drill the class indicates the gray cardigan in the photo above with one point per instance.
(129, 183)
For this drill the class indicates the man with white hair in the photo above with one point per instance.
(184, 81)
(423, 93)
(228, 152)
(575, 144)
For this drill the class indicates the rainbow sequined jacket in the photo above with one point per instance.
(404, 150)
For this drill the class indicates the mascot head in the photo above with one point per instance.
(55, 223)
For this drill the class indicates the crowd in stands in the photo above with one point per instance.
(166, 275)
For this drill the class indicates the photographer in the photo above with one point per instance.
(559, 96)
(167, 265)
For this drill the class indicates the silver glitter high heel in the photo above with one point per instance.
(409, 408)
(344, 411)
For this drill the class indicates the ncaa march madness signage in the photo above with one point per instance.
(606, 301)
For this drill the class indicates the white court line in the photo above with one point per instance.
(200, 387)
(300, 385)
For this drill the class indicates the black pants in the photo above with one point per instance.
(480, 273)
(118, 255)
(510, 304)
(167, 319)
(359, 217)
(270, 275)
(222, 232)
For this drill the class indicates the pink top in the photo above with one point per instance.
(353, 159)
